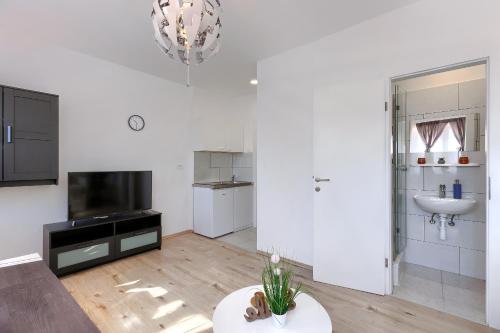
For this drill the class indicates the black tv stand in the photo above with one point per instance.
(75, 245)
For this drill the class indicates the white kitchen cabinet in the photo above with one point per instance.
(221, 137)
(243, 207)
(213, 211)
(234, 138)
(221, 211)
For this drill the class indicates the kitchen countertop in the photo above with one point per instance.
(220, 185)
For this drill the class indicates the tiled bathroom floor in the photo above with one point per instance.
(448, 292)
(245, 239)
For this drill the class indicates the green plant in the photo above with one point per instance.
(278, 286)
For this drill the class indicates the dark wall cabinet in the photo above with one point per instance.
(30, 138)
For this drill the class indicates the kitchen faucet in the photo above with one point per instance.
(442, 191)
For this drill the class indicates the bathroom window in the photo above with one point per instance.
(446, 142)
(466, 126)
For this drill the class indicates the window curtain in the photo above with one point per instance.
(430, 132)
(458, 127)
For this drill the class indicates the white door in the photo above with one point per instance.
(350, 209)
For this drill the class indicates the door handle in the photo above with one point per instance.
(319, 180)
(9, 134)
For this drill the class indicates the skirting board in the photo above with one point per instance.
(290, 261)
(177, 234)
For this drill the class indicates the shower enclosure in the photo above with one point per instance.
(399, 167)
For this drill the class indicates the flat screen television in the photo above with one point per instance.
(98, 194)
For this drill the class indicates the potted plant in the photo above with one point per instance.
(278, 288)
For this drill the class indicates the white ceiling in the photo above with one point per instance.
(120, 31)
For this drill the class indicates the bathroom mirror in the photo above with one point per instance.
(450, 134)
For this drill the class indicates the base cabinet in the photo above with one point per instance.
(213, 212)
(243, 207)
(68, 248)
(221, 211)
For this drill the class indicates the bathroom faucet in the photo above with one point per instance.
(442, 191)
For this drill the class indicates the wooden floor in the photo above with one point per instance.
(176, 290)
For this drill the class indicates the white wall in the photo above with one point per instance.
(428, 34)
(284, 167)
(96, 99)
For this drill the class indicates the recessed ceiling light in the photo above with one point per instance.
(254, 82)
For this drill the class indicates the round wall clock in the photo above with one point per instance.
(136, 122)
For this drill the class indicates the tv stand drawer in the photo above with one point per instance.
(139, 241)
(73, 257)
(78, 256)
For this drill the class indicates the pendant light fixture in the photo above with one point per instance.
(187, 30)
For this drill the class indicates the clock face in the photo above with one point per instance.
(136, 123)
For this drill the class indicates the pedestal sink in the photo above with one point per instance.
(444, 207)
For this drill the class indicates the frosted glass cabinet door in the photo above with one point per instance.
(85, 254)
(137, 241)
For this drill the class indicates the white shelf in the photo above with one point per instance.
(435, 165)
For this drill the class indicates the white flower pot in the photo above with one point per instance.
(279, 321)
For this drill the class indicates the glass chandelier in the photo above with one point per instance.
(187, 30)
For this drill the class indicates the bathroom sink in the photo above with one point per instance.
(450, 206)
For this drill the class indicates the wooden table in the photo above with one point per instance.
(33, 300)
(308, 317)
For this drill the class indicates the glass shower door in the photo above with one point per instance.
(399, 161)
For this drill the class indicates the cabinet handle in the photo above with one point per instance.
(9, 134)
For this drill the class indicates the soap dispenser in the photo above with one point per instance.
(457, 190)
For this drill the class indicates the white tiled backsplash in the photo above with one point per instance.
(464, 250)
(213, 167)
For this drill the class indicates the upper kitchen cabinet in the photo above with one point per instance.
(234, 139)
(472, 94)
(30, 138)
(218, 136)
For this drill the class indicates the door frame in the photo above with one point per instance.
(389, 246)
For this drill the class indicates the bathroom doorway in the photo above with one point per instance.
(439, 191)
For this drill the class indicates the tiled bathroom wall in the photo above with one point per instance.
(464, 250)
(215, 166)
